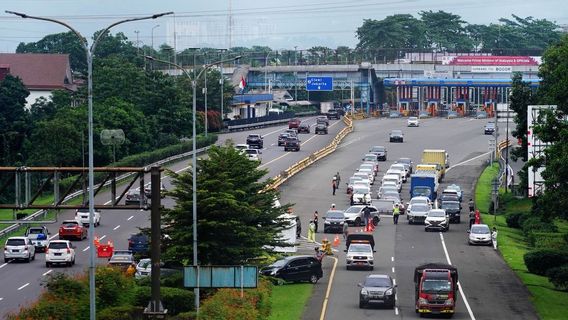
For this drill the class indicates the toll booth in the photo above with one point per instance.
(404, 107)
(489, 99)
(405, 97)
(433, 107)
(433, 100)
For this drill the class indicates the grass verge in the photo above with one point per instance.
(548, 302)
(288, 301)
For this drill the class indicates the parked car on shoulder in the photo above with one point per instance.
(295, 269)
(83, 215)
(72, 229)
(294, 123)
(38, 235)
(480, 234)
(379, 289)
(60, 252)
(396, 136)
(321, 128)
(19, 248)
(304, 127)
(255, 140)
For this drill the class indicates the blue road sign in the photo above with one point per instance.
(221, 276)
(319, 83)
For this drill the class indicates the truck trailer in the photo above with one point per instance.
(424, 184)
(437, 156)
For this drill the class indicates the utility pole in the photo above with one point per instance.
(295, 74)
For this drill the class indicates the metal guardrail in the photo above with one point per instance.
(39, 213)
(304, 163)
(259, 124)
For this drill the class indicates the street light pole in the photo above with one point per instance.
(154, 27)
(89, 54)
(194, 158)
(205, 92)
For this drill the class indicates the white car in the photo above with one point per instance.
(361, 194)
(400, 173)
(253, 154)
(437, 219)
(143, 268)
(369, 166)
(413, 122)
(480, 234)
(419, 199)
(374, 164)
(401, 167)
(417, 212)
(60, 252)
(19, 248)
(385, 189)
(394, 179)
(359, 255)
(242, 147)
(364, 177)
(82, 217)
(368, 171)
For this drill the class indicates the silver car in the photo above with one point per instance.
(417, 213)
(377, 288)
(19, 248)
(354, 215)
(480, 234)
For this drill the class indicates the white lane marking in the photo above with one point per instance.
(87, 248)
(285, 154)
(459, 284)
(394, 281)
(25, 285)
(101, 238)
(47, 272)
(1, 299)
(53, 236)
(5, 264)
(392, 259)
(129, 218)
(392, 269)
(326, 299)
(272, 145)
(116, 227)
(468, 160)
(396, 311)
(108, 202)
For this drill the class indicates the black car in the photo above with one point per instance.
(292, 144)
(377, 288)
(255, 141)
(449, 197)
(333, 114)
(295, 269)
(489, 128)
(396, 136)
(321, 128)
(333, 221)
(138, 243)
(304, 128)
(453, 209)
(380, 152)
(282, 138)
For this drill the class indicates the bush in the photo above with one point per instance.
(174, 299)
(121, 313)
(514, 219)
(546, 240)
(541, 260)
(536, 224)
(112, 286)
(559, 277)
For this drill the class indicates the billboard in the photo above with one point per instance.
(493, 61)
(535, 150)
(491, 69)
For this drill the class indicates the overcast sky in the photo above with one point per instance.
(275, 23)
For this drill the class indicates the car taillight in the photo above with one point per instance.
(68, 250)
(25, 248)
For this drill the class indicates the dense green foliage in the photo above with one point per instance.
(235, 220)
(541, 260)
(559, 277)
(514, 219)
(227, 304)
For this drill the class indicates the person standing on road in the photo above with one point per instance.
(471, 219)
(366, 215)
(319, 254)
(334, 185)
(332, 207)
(395, 214)
(494, 238)
(471, 205)
(316, 220)
(477, 217)
(337, 179)
(312, 232)
(345, 230)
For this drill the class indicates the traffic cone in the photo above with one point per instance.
(336, 241)
(96, 241)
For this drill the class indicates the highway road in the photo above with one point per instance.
(489, 289)
(20, 282)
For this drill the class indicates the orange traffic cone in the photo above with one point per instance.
(96, 241)
(336, 241)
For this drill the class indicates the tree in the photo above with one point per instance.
(65, 42)
(236, 220)
(14, 120)
(445, 31)
(552, 128)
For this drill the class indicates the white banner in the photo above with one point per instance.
(484, 69)
(438, 74)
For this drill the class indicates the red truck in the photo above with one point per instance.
(436, 288)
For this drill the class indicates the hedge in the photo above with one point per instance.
(559, 277)
(121, 313)
(536, 224)
(515, 219)
(227, 304)
(548, 240)
(541, 260)
(176, 300)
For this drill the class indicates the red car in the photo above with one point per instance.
(72, 229)
(294, 123)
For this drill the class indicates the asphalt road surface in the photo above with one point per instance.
(489, 289)
(20, 282)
